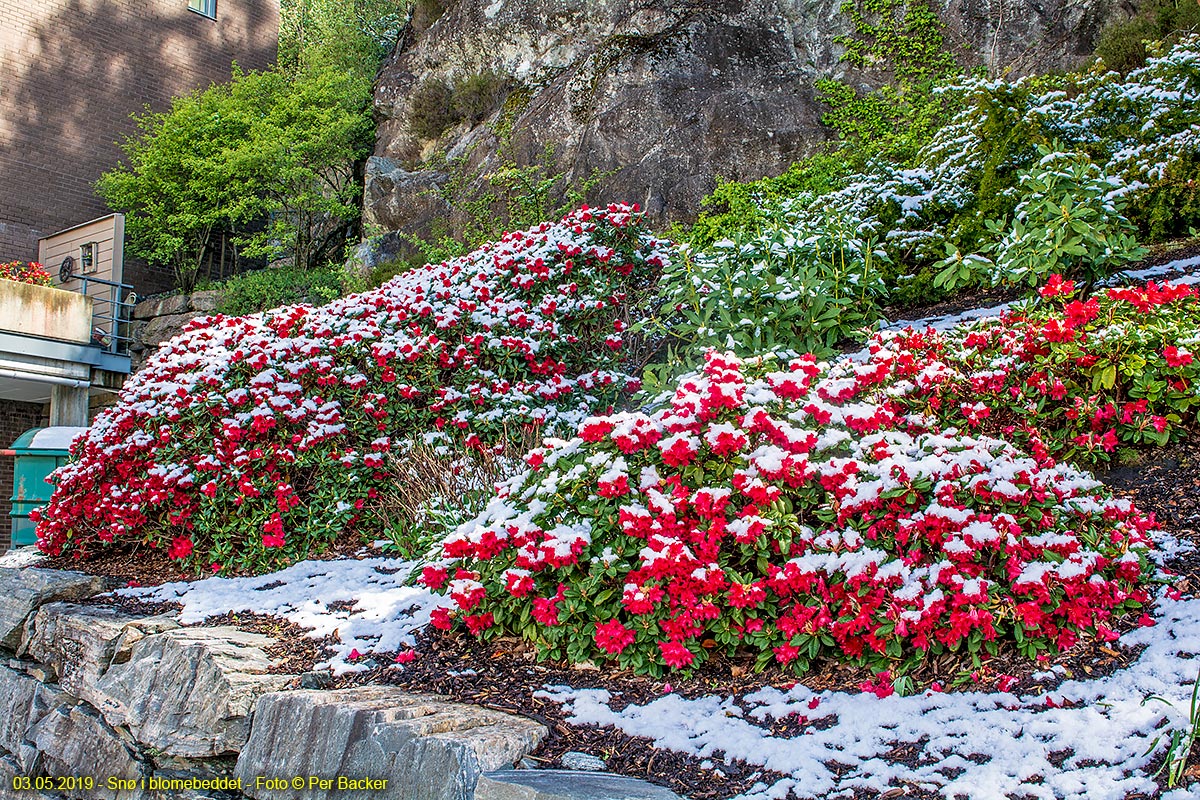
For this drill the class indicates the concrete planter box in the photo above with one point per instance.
(46, 312)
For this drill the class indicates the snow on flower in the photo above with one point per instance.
(520, 337)
(913, 540)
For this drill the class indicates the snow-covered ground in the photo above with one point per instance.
(1084, 739)
(384, 615)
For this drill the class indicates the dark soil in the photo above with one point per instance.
(138, 564)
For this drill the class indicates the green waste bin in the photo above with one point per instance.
(36, 452)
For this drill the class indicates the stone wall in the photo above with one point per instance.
(74, 72)
(158, 319)
(134, 702)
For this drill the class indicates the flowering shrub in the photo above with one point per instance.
(252, 441)
(26, 272)
(1068, 378)
(797, 512)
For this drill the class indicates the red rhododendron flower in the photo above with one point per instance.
(440, 618)
(181, 547)
(1176, 356)
(675, 654)
(613, 637)
(434, 577)
(1055, 287)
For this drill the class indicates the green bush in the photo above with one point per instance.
(475, 97)
(432, 111)
(438, 105)
(1122, 45)
(265, 289)
(1170, 207)
(1069, 222)
(802, 289)
(746, 207)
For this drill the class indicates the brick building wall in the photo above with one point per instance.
(71, 74)
(15, 419)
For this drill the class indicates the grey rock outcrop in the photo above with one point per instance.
(140, 699)
(23, 591)
(161, 306)
(79, 643)
(394, 193)
(73, 741)
(658, 98)
(556, 784)
(425, 748)
(24, 701)
(206, 300)
(189, 692)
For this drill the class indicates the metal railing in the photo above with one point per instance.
(112, 313)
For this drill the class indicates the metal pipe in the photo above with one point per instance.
(39, 378)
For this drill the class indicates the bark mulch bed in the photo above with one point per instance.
(138, 564)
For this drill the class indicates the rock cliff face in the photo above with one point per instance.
(658, 96)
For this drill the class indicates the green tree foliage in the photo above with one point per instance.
(176, 186)
(272, 158)
(353, 34)
(1123, 45)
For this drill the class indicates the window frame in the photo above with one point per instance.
(205, 8)
(89, 258)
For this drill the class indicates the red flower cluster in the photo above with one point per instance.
(1069, 379)
(797, 512)
(25, 272)
(251, 442)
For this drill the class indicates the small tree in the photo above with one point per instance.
(300, 156)
(272, 158)
(177, 188)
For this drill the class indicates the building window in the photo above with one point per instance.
(206, 7)
(88, 257)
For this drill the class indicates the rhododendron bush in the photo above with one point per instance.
(1070, 377)
(252, 441)
(25, 272)
(795, 511)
